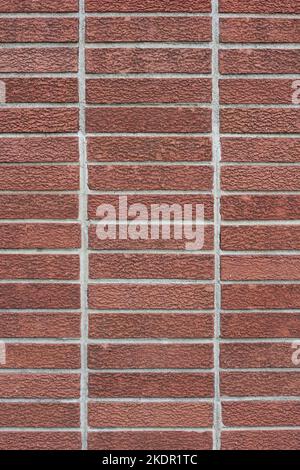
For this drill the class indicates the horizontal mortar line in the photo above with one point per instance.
(268, 16)
(267, 223)
(151, 400)
(267, 310)
(54, 15)
(54, 401)
(41, 310)
(261, 76)
(262, 428)
(152, 252)
(45, 193)
(52, 371)
(39, 45)
(164, 281)
(264, 399)
(36, 134)
(157, 14)
(48, 341)
(38, 429)
(39, 221)
(149, 134)
(240, 340)
(39, 281)
(261, 135)
(41, 105)
(151, 341)
(145, 370)
(148, 105)
(260, 193)
(147, 311)
(259, 106)
(149, 45)
(262, 163)
(144, 429)
(153, 75)
(274, 370)
(259, 46)
(149, 191)
(154, 163)
(39, 251)
(262, 282)
(260, 252)
(39, 164)
(28, 75)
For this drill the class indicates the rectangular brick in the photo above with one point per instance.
(260, 30)
(260, 178)
(235, 120)
(153, 415)
(277, 150)
(135, 266)
(16, 440)
(167, 177)
(252, 296)
(259, 6)
(272, 384)
(260, 325)
(36, 415)
(151, 119)
(151, 296)
(149, 29)
(275, 237)
(148, 90)
(270, 413)
(37, 296)
(15, 385)
(261, 440)
(38, 6)
(41, 90)
(38, 149)
(140, 149)
(260, 268)
(135, 60)
(39, 266)
(150, 440)
(39, 120)
(56, 30)
(37, 206)
(150, 356)
(279, 207)
(258, 355)
(257, 91)
(241, 61)
(148, 6)
(40, 325)
(39, 178)
(151, 325)
(51, 236)
(155, 385)
(42, 356)
(39, 60)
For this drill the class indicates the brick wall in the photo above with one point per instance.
(142, 344)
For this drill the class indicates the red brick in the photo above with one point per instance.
(39, 266)
(274, 237)
(34, 296)
(40, 440)
(29, 30)
(149, 29)
(38, 415)
(42, 356)
(40, 325)
(259, 6)
(270, 120)
(135, 266)
(15, 385)
(239, 61)
(261, 413)
(135, 60)
(278, 150)
(151, 296)
(153, 415)
(150, 119)
(38, 6)
(279, 207)
(252, 296)
(261, 268)
(51, 236)
(241, 384)
(260, 178)
(260, 30)
(150, 356)
(151, 325)
(148, 6)
(159, 385)
(257, 355)
(39, 120)
(38, 149)
(261, 440)
(257, 91)
(171, 244)
(148, 200)
(39, 178)
(140, 149)
(54, 59)
(41, 90)
(150, 440)
(37, 206)
(260, 325)
(119, 177)
(148, 90)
